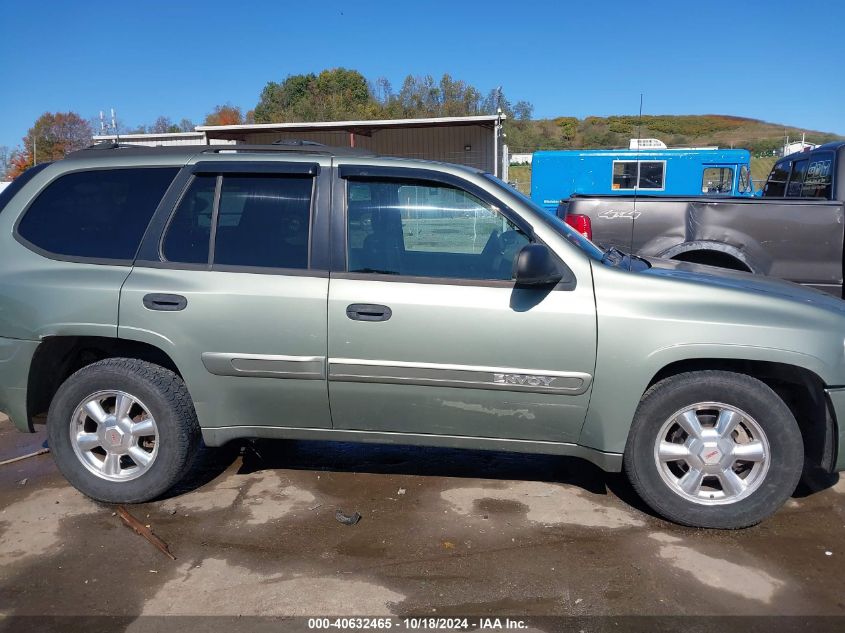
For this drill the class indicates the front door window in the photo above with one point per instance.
(421, 229)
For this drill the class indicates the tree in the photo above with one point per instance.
(225, 115)
(19, 162)
(186, 125)
(334, 94)
(54, 135)
(341, 93)
(522, 111)
(278, 100)
(162, 125)
(5, 157)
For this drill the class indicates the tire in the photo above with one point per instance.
(699, 489)
(161, 451)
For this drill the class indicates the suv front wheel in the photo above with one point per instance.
(714, 449)
(123, 430)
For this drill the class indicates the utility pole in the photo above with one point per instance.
(34, 147)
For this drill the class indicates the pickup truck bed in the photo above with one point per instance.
(798, 237)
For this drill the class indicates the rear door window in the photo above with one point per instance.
(188, 236)
(796, 178)
(98, 214)
(264, 221)
(260, 220)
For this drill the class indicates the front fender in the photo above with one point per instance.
(617, 390)
(650, 319)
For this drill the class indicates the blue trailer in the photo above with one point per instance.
(556, 175)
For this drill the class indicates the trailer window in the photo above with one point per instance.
(624, 174)
(796, 178)
(717, 180)
(631, 174)
(745, 184)
(651, 174)
(819, 177)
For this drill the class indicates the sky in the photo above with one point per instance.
(776, 60)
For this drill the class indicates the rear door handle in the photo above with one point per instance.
(165, 302)
(368, 312)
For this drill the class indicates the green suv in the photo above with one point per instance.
(155, 299)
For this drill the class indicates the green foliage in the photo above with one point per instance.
(343, 94)
(334, 94)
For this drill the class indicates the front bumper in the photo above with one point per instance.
(15, 358)
(836, 398)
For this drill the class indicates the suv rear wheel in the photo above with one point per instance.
(123, 430)
(714, 449)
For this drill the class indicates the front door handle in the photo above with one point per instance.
(165, 302)
(368, 312)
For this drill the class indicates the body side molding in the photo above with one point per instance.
(265, 365)
(464, 376)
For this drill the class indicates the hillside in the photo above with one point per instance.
(675, 130)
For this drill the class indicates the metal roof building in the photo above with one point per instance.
(475, 140)
(159, 140)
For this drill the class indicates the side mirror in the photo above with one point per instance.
(536, 265)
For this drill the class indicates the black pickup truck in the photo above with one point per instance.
(795, 231)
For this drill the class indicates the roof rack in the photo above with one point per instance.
(113, 145)
(306, 147)
(131, 149)
(298, 143)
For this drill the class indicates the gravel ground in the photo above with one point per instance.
(443, 532)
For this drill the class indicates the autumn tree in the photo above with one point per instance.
(53, 136)
(19, 162)
(225, 115)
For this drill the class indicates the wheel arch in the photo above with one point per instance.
(801, 389)
(712, 254)
(58, 357)
(796, 378)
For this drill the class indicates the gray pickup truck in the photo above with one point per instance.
(796, 231)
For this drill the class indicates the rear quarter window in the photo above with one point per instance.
(819, 179)
(776, 183)
(95, 214)
(17, 184)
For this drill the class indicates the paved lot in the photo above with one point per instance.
(443, 532)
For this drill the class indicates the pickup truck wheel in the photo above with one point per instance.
(714, 449)
(123, 430)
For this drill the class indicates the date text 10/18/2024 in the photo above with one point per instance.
(417, 624)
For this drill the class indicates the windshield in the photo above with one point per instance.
(552, 221)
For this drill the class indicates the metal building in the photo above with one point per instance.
(160, 140)
(475, 141)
